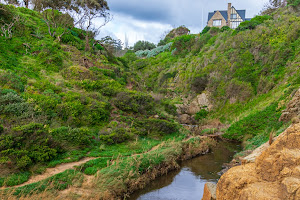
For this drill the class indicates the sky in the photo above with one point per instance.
(150, 19)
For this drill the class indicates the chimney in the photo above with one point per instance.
(228, 14)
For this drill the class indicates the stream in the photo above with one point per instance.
(188, 182)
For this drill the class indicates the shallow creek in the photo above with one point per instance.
(188, 182)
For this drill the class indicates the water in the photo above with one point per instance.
(188, 182)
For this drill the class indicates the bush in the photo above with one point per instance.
(90, 170)
(1, 128)
(12, 81)
(205, 30)
(202, 114)
(257, 20)
(13, 104)
(143, 45)
(116, 136)
(27, 145)
(183, 44)
(16, 179)
(225, 28)
(199, 83)
(155, 127)
(255, 124)
(294, 3)
(72, 138)
(134, 102)
(106, 87)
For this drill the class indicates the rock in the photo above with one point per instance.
(270, 172)
(198, 103)
(210, 191)
(193, 107)
(186, 119)
(181, 109)
(156, 116)
(293, 108)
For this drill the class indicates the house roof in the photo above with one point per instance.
(223, 13)
(242, 13)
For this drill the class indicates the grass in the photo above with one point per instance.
(113, 177)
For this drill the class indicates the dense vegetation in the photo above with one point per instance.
(248, 72)
(65, 96)
(59, 101)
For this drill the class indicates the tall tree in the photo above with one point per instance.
(55, 14)
(88, 11)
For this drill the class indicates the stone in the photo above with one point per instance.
(209, 191)
(200, 102)
(185, 119)
(272, 172)
(293, 108)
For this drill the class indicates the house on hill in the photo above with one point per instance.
(230, 17)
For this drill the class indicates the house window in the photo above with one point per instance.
(217, 22)
(235, 24)
(233, 16)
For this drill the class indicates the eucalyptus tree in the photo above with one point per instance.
(88, 11)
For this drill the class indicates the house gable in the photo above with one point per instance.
(236, 17)
(217, 15)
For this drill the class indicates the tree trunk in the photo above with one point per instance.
(87, 44)
(26, 3)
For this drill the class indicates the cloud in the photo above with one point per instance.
(149, 19)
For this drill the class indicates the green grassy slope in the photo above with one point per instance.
(59, 103)
(249, 72)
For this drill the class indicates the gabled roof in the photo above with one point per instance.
(242, 14)
(223, 13)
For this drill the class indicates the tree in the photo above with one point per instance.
(112, 45)
(56, 15)
(89, 10)
(143, 45)
(273, 5)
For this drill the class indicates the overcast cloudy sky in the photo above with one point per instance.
(149, 19)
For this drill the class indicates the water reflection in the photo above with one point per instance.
(188, 182)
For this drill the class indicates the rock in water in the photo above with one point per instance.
(209, 191)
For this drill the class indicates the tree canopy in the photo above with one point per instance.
(143, 45)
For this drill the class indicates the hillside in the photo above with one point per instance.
(247, 74)
(77, 121)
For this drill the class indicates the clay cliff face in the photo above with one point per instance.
(293, 108)
(273, 175)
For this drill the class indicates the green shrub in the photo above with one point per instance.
(205, 30)
(27, 145)
(255, 124)
(13, 104)
(183, 44)
(72, 138)
(294, 3)
(199, 83)
(257, 20)
(134, 102)
(106, 87)
(225, 28)
(155, 127)
(202, 114)
(1, 128)
(12, 81)
(90, 170)
(16, 179)
(118, 135)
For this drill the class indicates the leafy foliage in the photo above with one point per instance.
(255, 123)
(134, 102)
(143, 45)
